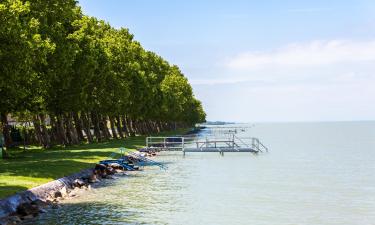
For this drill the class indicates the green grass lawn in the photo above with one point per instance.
(33, 167)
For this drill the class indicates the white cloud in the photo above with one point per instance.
(312, 54)
(319, 80)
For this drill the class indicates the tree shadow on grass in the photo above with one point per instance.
(51, 165)
(33, 169)
(131, 143)
(7, 190)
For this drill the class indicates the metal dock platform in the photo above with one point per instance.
(220, 150)
(228, 143)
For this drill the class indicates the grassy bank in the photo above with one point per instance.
(33, 167)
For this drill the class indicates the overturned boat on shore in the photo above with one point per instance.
(131, 160)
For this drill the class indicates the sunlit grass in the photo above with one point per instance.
(35, 166)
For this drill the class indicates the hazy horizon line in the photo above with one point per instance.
(293, 121)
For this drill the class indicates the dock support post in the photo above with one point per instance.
(233, 141)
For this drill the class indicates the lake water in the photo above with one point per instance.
(315, 173)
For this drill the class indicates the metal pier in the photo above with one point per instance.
(228, 143)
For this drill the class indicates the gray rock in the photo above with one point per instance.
(64, 191)
(28, 209)
(40, 203)
(4, 221)
(28, 217)
(78, 183)
(46, 192)
(58, 194)
(73, 195)
(93, 178)
(42, 211)
(13, 220)
(115, 166)
(100, 167)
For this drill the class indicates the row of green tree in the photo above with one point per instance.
(76, 78)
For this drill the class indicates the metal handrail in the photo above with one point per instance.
(179, 142)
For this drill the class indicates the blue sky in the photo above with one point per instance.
(251, 61)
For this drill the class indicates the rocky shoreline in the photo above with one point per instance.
(30, 203)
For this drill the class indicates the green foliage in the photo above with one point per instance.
(58, 63)
(21, 45)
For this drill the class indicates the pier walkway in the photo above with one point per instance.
(229, 143)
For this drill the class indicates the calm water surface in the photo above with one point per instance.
(315, 173)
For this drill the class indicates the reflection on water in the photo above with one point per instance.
(315, 173)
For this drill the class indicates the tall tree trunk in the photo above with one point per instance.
(146, 127)
(69, 138)
(106, 127)
(150, 126)
(72, 135)
(44, 132)
(157, 124)
(164, 126)
(103, 127)
(113, 129)
(38, 132)
(135, 125)
(6, 134)
(143, 127)
(119, 128)
(87, 127)
(63, 139)
(127, 128)
(142, 124)
(95, 121)
(73, 129)
(78, 125)
(54, 130)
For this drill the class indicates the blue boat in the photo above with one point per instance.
(131, 160)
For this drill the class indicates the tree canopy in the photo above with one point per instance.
(77, 78)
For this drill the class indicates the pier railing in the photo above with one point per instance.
(209, 143)
(166, 143)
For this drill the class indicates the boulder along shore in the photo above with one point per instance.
(30, 203)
